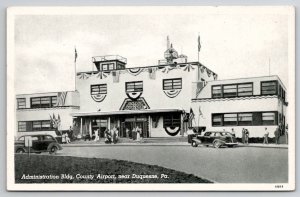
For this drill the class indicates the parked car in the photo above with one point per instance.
(214, 138)
(40, 143)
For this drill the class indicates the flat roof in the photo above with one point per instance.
(124, 112)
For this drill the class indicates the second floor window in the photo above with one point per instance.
(232, 90)
(43, 102)
(171, 84)
(98, 89)
(269, 87)
(134, 86)
(21, 103)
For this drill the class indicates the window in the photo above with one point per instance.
(245, 89)
(244, 119)
(217, 120)
(217, 91)
(104, 66)
(98, 89)
(171, 84)
(108, 66)
(230, 119)
(269, 88)
(172, 120)
(21, 126)
(268, 118)
(21, 103)
(43, 102)
(229, 91)
(38, 125)
(134, 86)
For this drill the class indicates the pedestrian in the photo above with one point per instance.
(191, 134)
(247, 134)
(243, 135)
(96, 135)
(138, 133)
(286, 134)
(277, 134)
(266, 135)
(232, 132)
(63, 138)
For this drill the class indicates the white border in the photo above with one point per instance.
(149, 10)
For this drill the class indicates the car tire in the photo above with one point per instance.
(53, 150)
(217, 144)
(20, 151)
(194, 144)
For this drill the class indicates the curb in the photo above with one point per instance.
(163, 144)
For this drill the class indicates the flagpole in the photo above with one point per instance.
(75, 68)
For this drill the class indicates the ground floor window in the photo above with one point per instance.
(172, 120)
(245, 119)
(37, 125)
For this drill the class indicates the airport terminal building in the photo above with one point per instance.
(163, 100)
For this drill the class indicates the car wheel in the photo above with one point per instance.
(194, 144)
(217, 144)
(53, 150)
(20, 151)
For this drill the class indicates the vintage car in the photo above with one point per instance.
(40, 143)
(214, 138)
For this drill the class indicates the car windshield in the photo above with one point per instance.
(48, 138)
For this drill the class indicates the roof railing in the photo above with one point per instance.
(109, 58)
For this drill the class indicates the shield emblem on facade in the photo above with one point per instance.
(134, 90)
(98, 92)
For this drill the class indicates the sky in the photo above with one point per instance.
(232, 45)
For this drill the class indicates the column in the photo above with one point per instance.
(108, 123)
(81, 127)
(149, 125)
(181, 125)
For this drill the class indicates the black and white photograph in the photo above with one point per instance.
(165, 98)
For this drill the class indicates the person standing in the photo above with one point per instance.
(232, 132)
(277, 134)
(243, 136)
(138, 133)
(286, 134)
(96, 135)
(266, 136)
(247, 134)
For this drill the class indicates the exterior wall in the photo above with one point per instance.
(206, 91)
(35, 114)
(152, 89)
(254, 104)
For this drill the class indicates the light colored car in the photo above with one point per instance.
(40, 143)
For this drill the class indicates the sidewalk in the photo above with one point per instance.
(147, 142)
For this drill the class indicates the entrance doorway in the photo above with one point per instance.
(130, 123)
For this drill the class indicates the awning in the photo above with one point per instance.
(125, 112)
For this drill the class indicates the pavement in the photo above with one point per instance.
(223, 165)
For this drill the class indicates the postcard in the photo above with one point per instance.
(151, 98)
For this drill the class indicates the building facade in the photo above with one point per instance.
(163, 100)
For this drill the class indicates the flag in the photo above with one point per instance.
(61, 98)
(199, 44)
(192, 115)
(200, 112)
(76, 55)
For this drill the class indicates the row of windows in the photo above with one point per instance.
(38, 125)
(232, 90)
(37, 102)
(112, 66)
(246, 89)
(137, 86)
(245, 119)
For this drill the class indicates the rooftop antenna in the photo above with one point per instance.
(168, 42)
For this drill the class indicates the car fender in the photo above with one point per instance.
(196, 140)
(20, 147)
(54, 144)
(219, 140)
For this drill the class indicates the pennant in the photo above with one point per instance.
(116, 76)
(61, 98)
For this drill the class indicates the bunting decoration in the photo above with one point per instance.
(152, 72)
(134, 71)
(167, 69)
(172, 131)
(98, 97)
(61, 99)
(208, 72)
(84, 76)
(172, 93)
(55, 122)
(102, 75)
(202, 69)
(215, 76)
(116, 76)
(188, 68)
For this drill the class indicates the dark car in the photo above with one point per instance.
(40, 143)
(214, 138)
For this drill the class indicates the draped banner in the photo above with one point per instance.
(84, 76)
(102, 75)
(61, 98)
(188, 67)
(134, 71)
